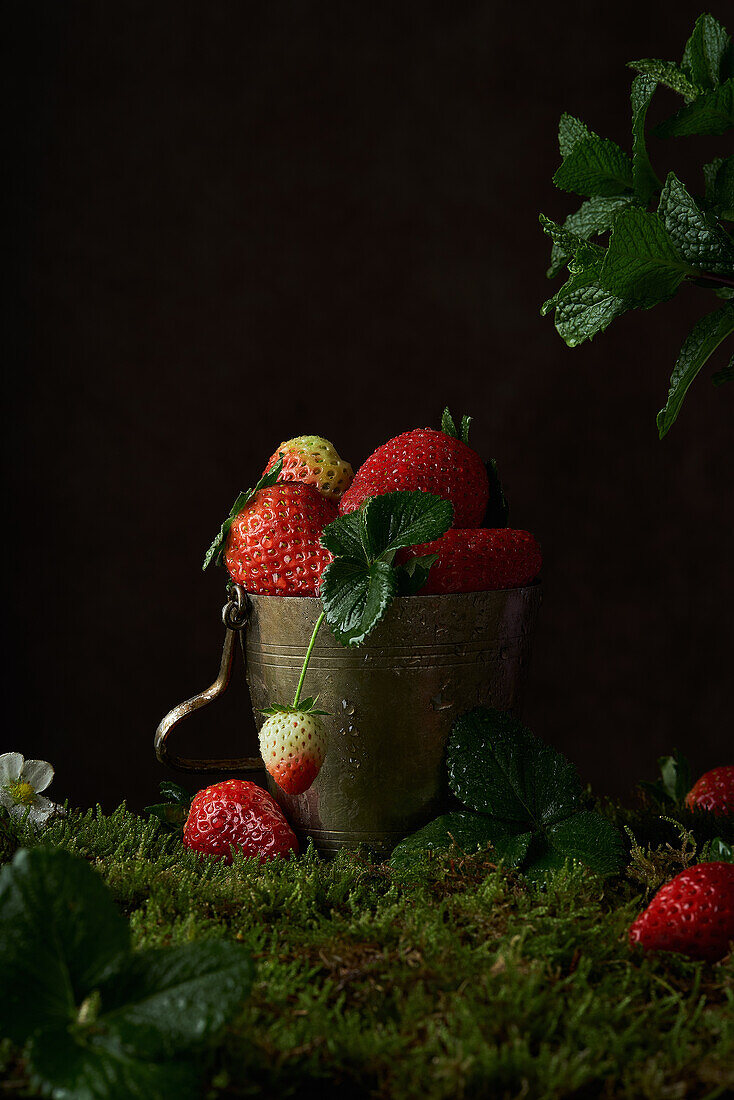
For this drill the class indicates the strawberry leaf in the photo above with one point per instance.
(589, 838)
(356, 596)
(469, 833)
(396, 520)
(413, 574)
(215, 553)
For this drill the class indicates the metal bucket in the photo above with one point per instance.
(391, 702)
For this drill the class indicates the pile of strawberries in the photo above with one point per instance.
(274, 546)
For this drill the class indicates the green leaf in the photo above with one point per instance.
(719, 176)
(170, 814)
(570, 132)
(645, 182)
(356, 597)
(60, 932)
(395, 520)
(215, 553)
(469, 833)
(413, 574)
(675, 774)
(669, 74)
(344, 537)
(498, 509)
(72, 1065)
(593, 217)
(726, 374)
(701, 342)
(710, 113)
(174, 792)
(448, 426)
(583, 307)
(696, 234)
(717, 850)
(707, 53)
(497, 766)
(595, 166)
(642, 266)
(589, 838)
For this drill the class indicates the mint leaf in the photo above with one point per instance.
(701, 342)
(583, 307)
(595, 166)
(396, 520)
(696, 234)
(644, 180)
(710, 113)
(570, 132)
(719, 176)
(707, 54)
(497, 766)
(215, 553)
(589, 838)
(60, 932)
(642, 266)
(356, 596)
(469, 832)
(413, 574)
(669, 74)
(726, 374)
(593, 217)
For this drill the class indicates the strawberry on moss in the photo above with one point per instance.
(429, 461)
(314, 461)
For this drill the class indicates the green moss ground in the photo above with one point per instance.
(455, 979)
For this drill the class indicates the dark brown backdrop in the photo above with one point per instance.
(243, 221)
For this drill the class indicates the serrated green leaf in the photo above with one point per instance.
(565, 239)
(215, 553)
(397, 520)
(589, 838)
(701, 342)
(726, 374)
(571, 131)
(593, 217)
(706, 53)
(583, 307)
(60, 932)
(356, 597)
(497, 766)
(644, 180)
(669, 74)
(710, 113)
(719, 177)
(344, 537)
(470, 833)
(68, 1065)
(642, 265)
(595, 166)
(696, 233)
(413, 574)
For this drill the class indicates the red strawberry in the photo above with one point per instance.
(273, 545)
(692, 914)
(240, 813)
(479, 560)
(714, 791)
(427, 460)
(293, 745)
(315, 461)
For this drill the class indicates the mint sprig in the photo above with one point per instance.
(359, 585)
(215, 553)
(522, 797)
(636, 240)
(99, 1021)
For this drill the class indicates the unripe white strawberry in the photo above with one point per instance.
(293, 746)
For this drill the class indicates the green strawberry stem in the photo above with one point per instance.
(311, 644)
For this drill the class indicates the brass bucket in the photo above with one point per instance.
(392, 701)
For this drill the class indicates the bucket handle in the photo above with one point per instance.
(234, 617)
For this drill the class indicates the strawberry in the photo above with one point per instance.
(293, 745)
(273, 546)
(479, 560)
(692, 914)
(314, 461)
(241, 814)
(428, 460)
(714, 791)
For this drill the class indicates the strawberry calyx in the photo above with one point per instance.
(305, 706)
(215, 553)
(448, 426)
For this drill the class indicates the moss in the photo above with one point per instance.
(451, 979)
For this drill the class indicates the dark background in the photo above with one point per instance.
(239, 222)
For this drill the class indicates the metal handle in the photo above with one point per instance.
(234, 617)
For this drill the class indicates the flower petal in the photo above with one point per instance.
(38, 773)
(41, 809)
(11, 764)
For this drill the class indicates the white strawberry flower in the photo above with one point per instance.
(21, 783)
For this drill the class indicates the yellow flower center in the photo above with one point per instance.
(21, 793)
